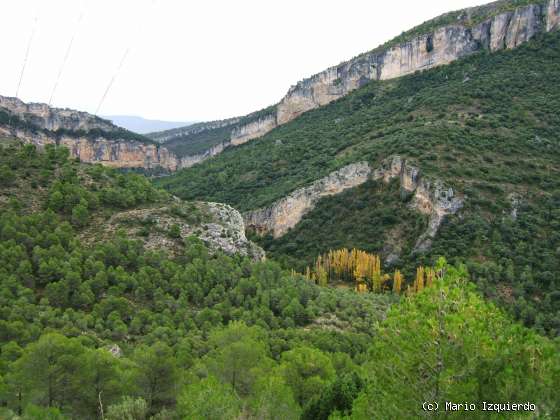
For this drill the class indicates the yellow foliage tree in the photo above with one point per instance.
(397, 282)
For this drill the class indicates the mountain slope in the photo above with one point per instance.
(88, 137)
(486, 125)
(505, 24)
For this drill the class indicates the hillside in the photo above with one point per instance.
(504, 24)
(106, 327)
(486, 125)
(383, 243)
(198, 142)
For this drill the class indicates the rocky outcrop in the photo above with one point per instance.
(442, 46)
(167, 135)
(49, 118)
(190, 160)
(553, 16)
(430, 197)
(119, 154)
(219, 226)
(287, 212)
(38, 124)
(258, 128)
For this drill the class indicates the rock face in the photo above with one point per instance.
(255, 129)
(46, 117)
(113, 153)
(229, 234)
(219, 226)
(553, 15)
(164, 136)
(119, 154)
(430, 197)
(43, 122)
(442, 46)
(190, 160)
(287, 212)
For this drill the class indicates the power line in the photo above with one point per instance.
(112, 80)
(124, 56)
(26, 55)
(66, 55)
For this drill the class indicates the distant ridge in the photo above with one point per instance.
(143, 125)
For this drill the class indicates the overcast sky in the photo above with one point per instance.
(189, 60)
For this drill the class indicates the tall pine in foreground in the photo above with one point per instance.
(447, 344)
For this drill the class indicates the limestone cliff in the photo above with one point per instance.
(219, 226)
(119, 154)
(165, 136)
(89, 138)
(430, 197)
(190, 160)
(49, 118)
(441, 46)
(258, 128)
(444, 44)
(288, 211)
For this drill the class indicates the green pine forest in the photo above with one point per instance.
(487, 125)
(96, 324)
(112, 330)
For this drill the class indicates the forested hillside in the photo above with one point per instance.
(113, 330)
(487, 125)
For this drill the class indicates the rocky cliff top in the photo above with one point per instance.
(50, 118)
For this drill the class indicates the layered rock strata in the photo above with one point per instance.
(442, 46)
(288, 211)
(430, 197)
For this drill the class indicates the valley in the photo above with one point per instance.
(386, 235)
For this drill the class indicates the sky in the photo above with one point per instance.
(194, 60)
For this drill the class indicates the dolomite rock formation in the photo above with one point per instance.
(190, 160)
(167, 135)
(255, 129)
(430, 197)
(553, 16)
(287, 212)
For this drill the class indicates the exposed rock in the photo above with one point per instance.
(515, 202)
(119, 154)
(220, 226)
(164, 136)
(430, 197)
(188, 161)
(43, 122)
(553, 15)
(255, 129)
(115, 350)
(287, 212)
(442, 46)
(49, 118)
